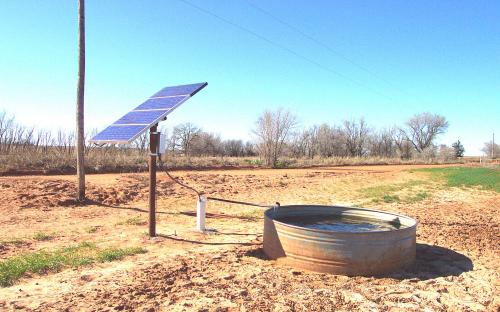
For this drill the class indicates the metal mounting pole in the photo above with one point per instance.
(153, 143)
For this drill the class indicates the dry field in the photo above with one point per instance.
(457, 267)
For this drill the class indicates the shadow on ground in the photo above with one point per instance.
(435, 261)
(209, 215)
(203, 242)
(431, 262)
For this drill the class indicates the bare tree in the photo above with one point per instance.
(356, 136)
(445, 153)
(273, 129)
(233, 148)
(302, 143)
(326, 139)
(403, 145)
(206, 144)
(80, 144)
(422, 129)
(491, 149)
(184, 135)
(382, 143)
(6, 126)
(142, 142)
(320, 140)
(249, 149)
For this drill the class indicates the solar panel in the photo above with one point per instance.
(141, 117)
(162, 103)
(180, 90)
(116, 134)
(155, 109)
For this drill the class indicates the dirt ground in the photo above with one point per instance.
(458, 236)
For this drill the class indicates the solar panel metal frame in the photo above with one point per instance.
(197, 88)
(157, 120)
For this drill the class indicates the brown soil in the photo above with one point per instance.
(457, 264)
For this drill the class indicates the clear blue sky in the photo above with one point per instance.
(437, 56)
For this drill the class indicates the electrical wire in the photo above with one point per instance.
(277, 204)
(324, 45)
(285, 48)
(164, 168)
(200, 194)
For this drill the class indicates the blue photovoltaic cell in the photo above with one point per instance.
(119, 133)
(162, 103)
(141, 117)
(191, 90)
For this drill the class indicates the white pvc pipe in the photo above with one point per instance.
(201, 206)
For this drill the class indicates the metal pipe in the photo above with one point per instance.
(200, 213)
(242, 203)
(153, 143)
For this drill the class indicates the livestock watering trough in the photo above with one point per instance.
(339, 240)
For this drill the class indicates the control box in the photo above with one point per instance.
(162, 143)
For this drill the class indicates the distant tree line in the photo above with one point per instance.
(276, 135)
(491, 149)
(17, 138)
(189, 140)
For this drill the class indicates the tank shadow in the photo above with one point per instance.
(431, 262)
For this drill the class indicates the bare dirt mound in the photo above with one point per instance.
(45, 193)
(24, 193)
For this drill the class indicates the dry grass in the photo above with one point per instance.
(28, 150)
(360, 161)
(119, 160)
(133, 221)
(54, 160)
(11, 241)
(40, 236)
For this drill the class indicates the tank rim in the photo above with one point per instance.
(268, 214)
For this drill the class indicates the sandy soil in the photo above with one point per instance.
(457, 265)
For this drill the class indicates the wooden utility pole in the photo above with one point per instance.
(493, 147)
(80, 137)
(153, 144)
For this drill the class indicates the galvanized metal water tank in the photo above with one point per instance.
(345, 253)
